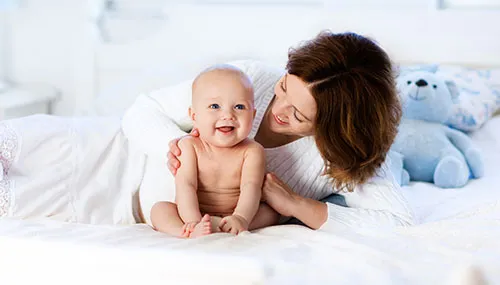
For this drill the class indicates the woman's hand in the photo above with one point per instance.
(174, 151)
(289, 204)
(278, 195)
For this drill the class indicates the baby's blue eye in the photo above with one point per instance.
(214, 106)
(240, 107)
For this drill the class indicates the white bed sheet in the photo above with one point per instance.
(432, 204)
(461, 229)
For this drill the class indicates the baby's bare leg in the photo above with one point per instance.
(165, 218)
(265, 217)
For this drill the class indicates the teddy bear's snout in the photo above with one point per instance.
(421, 83)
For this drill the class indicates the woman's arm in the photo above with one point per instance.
(376, 204)
(289, 204)
(379, 203)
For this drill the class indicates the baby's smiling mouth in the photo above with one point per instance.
(226, 129)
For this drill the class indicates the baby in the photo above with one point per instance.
(218, 187)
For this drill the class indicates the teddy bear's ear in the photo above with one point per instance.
(452, 86)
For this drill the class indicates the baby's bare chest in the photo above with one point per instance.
(220, 172)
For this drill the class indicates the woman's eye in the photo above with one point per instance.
(240, 107)
(214, 106)
(282, 86)
(297, 118)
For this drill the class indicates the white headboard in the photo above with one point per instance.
(194, 35)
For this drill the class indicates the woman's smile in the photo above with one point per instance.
(279, 120)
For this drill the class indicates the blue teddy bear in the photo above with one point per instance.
(425, 149)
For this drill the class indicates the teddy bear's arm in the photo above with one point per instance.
(459, 140)
(471, 153)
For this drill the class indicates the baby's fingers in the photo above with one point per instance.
(222, 223)
(172, 160)
(225, 226)
(194, 132)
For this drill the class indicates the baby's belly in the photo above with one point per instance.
(218, 202)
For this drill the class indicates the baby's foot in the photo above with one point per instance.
(187, 229)
(203, 228)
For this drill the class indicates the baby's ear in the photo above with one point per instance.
(192, 115)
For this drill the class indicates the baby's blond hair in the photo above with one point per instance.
(225, 69)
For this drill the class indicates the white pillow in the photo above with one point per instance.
(479, 95)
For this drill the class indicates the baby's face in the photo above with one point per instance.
(222, 109)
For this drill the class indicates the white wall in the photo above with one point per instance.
(54, 43)
(47, 37)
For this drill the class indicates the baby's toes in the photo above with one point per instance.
(207, 228)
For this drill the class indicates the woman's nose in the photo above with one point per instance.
(281, 107)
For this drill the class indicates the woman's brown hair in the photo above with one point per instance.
(352, 82)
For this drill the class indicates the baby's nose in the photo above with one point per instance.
(228, 116)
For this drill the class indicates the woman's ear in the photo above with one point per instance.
(192, 115)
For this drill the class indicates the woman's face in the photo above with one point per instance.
(293, 109)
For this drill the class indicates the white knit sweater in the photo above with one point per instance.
(157, 118)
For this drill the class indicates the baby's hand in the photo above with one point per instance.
(233, 224)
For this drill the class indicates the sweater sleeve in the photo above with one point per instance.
(378, 203)
(156, 118)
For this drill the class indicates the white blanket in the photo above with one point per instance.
(427, 254)
(461, 229)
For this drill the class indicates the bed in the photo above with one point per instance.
(457, 240)
(459, 232)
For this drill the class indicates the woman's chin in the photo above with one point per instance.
(278, 129)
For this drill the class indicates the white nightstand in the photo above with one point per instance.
(27, 99)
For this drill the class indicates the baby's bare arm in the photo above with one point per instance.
(186, 183)
(252, 177)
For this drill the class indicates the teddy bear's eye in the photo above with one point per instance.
(409, 82)
(434, 86)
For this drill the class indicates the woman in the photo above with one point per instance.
(326, 124)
